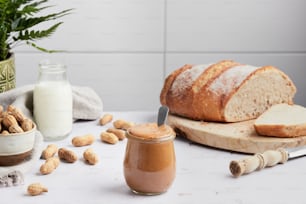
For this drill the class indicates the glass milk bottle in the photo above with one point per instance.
(53, 102)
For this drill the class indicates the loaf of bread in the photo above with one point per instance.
(282, 120)
(226, 91)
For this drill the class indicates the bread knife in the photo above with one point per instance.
(268, 158)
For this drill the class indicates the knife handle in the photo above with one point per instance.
(259, 161)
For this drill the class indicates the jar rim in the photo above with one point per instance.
(170, 135)
(52, 67)
(151, 140)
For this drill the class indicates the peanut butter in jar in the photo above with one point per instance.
(149, 163)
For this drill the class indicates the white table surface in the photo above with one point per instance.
(202, 175)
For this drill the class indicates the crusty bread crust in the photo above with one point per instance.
(281, 130)
(204, 101)
(184, 102)
(209, 95)
(169, 81)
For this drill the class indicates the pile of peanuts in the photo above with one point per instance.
(111, 136)
(12, 120)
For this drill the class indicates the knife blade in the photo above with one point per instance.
(162, 115)
(268, 158)
(296, 152)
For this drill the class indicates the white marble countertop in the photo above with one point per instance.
(202, 175)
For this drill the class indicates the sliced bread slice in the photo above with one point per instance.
(282, 120)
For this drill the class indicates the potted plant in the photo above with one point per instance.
(18, 24)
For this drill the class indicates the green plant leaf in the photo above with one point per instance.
(33, 7)
(20, 20)
(37, 34)
(42, 49)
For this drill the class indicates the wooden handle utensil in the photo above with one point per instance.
(258, 161)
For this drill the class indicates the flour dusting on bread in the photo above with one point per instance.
(185, 80)
(231, 79)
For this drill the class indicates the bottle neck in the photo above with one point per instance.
(52, 72)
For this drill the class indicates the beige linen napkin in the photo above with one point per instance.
(87, 105)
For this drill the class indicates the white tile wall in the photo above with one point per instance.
(236, 25)
(124, 48)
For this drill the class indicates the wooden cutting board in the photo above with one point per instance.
(240, 137)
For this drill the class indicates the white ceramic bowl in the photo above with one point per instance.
(15, 148)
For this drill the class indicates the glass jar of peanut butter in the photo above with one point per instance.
(149, 163)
